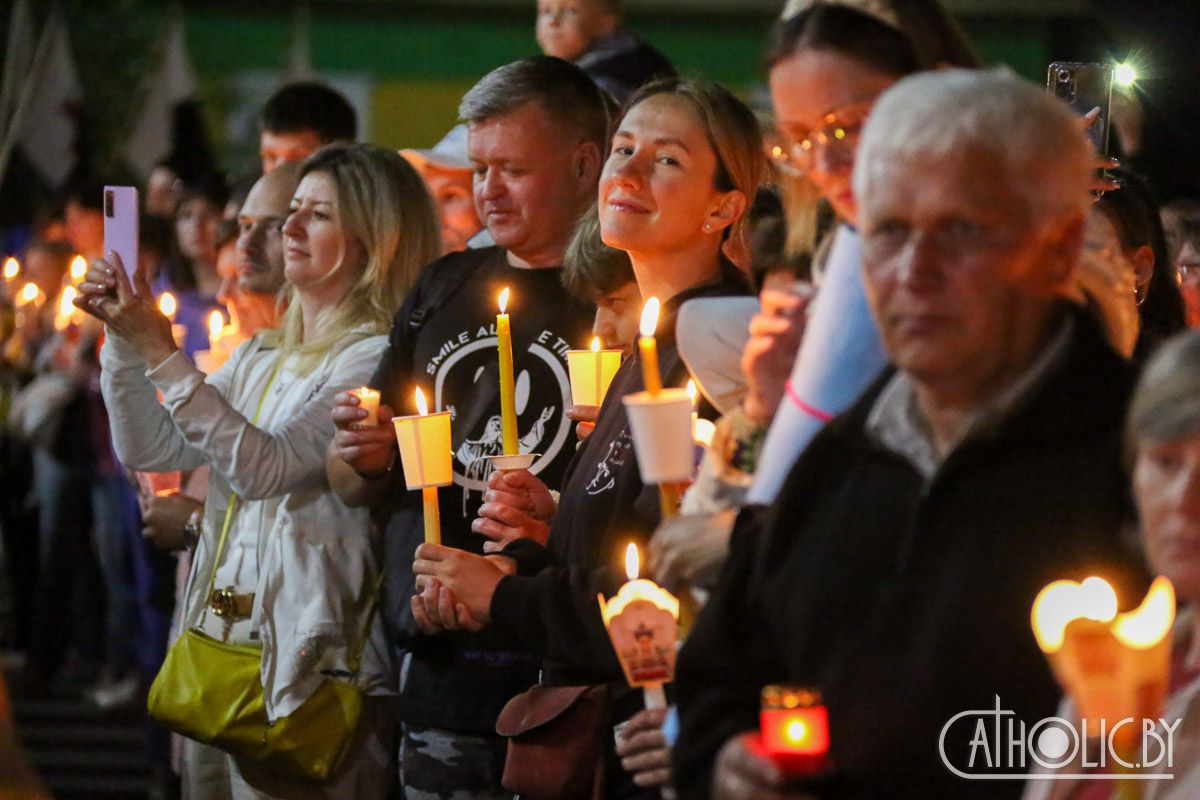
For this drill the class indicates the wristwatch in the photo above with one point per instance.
(191, 529)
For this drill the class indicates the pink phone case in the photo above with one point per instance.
(121, 224)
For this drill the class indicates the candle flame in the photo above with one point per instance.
(649, 317)
(78, 268)
(1062, 602)
(796, 732)
(216, 324)
(422, 406)
(595, 344)
(167, 305)
(632, 561)
(691, 392)
(12, 268)
(29, 293)
(1146, 625)
(503, 299)
(66, 305)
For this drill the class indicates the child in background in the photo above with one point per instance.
(589, 33)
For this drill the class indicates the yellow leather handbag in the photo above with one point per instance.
(211, 691)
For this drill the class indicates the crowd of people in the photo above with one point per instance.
(943, 341)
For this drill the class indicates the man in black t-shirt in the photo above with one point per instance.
(536, 137)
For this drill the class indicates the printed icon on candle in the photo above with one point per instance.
(641, 621)
(794, 730)
(368, 400)
(591, 373)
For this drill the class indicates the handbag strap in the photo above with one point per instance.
(233, 497)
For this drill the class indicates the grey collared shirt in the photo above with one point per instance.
(897, 422)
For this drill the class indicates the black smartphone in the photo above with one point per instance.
(1085, 87)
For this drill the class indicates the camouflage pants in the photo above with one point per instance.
(443, 765)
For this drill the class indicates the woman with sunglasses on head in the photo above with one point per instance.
(294, 569)
(685, 163)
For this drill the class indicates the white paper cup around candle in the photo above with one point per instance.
(591, 373)
(662, 435)
(425, 449)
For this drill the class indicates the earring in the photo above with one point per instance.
(707, 226)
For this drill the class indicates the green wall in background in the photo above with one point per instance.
(420, 63)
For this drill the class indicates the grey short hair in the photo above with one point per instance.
(934, 114)
(1166, 404)
(563, 90)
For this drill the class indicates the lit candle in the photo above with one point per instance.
(641, 622)
(425, 452)
(703, 430)
(1115, 666)
(167, 305)
(78, 268)
(216, 327)
(508, 395)
(29, 293)
(648, 348)
(368, 400)
(591, 373)
(66, 308)
(12, 268)
(794, 730)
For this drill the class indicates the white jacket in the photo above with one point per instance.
(311, 560)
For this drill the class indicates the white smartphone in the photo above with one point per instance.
(121, 225)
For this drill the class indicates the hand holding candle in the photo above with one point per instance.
(425, 452)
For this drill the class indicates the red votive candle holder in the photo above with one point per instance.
(794, 730)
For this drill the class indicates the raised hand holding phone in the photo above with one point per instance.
(121, 224)
(120, 297)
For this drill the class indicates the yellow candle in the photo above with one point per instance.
(648, 348)
(433, 519)
(508, 395)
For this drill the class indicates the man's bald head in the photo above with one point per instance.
(260, 242)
